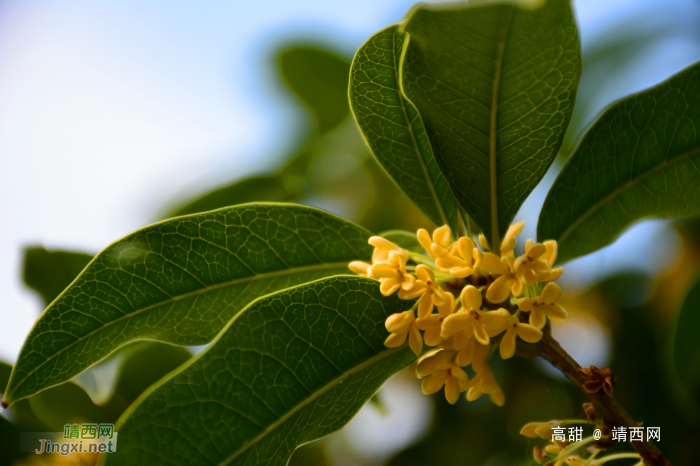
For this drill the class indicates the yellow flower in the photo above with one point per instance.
(542, 430)
(545, 306)
(485, 382)
(432, 324)
(463, 259)
(508, 243)
(472, 319)
(509, 281)
(429, 360)
(382, 248)
(550, 257)
(363, 269)
(552, 448)
(392, 272)
(449, 375)
(484, 242)
(539, 454)
(429, 287)
(515, 328)
(437, 246)
(473, 353)
(532, 269)
(402, 325)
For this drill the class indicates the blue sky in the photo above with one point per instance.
(108, 109)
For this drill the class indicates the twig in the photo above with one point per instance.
(551, 350)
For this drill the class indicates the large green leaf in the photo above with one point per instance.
(181, 281)
(394, 130)
(290, 368)
(319, 78)
(495, 86)
(640, 159)
(50, 272)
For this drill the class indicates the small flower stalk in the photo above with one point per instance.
(468, 302)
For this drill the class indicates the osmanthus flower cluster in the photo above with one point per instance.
(568, 445)
(468, 303)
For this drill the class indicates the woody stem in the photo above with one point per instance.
(551, 350)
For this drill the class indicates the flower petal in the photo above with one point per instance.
(427, 363)
(459, 339)
(432, 336)
(442, 236)
(481, 353)
(389, 286)
(550, 294)
(425, 306)
(466, 247)
(465, 356)
(484, 242)
(396, 339)
(385, 270)
(433, 383)
(554, 275)
(517, 288)
(425, 274)
(529, 333)
(507, 348)
(474, 393)
(429, 321)
(447, 308)
(538, 318)
(456, 322)
(494, 319)
(471, 298)
(557, 314)
(399, 322)
(499, 398)
(535, 250)
(499, 290)
(415, 340)
(451, 390)
(492, 264)
(527, 304)
(513, 231)
(425, 241)
(359, 267)
(480, 334)
(418, 289)
(552, 250)
(383, 244)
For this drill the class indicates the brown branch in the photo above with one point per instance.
(551, 350)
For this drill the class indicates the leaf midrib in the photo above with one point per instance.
(612, 195)
(173, 299)
(317, 394)
(493, 140)
(409, 126)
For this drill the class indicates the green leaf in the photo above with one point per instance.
(319, 78)
(495, 85)
(180, 281)
(394, 130)
(292, 367)
(50, 272)
(686, 345)
(640, 159)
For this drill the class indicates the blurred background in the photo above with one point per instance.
(116, 114)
